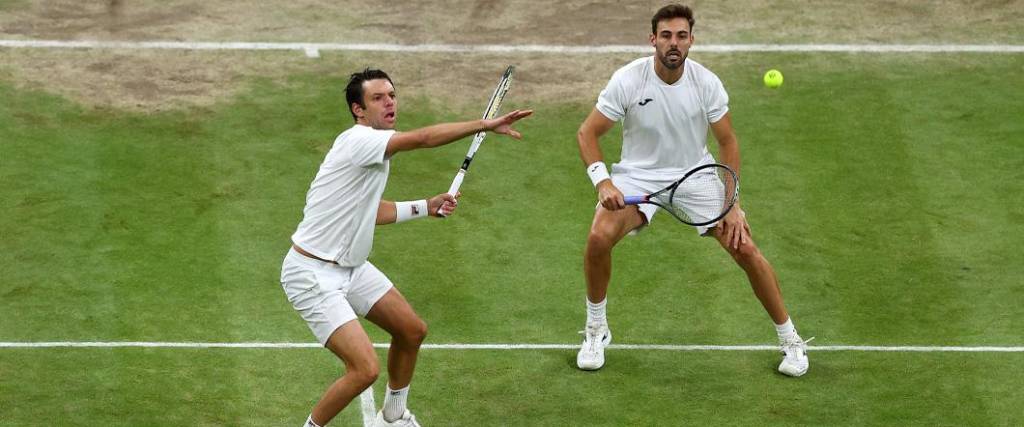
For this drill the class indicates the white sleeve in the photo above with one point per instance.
(368, 146)
(612, 100)
(716, 100)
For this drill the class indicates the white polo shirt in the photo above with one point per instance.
(665, 127)
(341, 205)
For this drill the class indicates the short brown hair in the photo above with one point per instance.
(670, 12)
(354, 89)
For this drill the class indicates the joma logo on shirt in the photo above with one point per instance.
(645, 101)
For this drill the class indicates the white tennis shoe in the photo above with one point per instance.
(794, 355)
(407, 420)
(595, 338)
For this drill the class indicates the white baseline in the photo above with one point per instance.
(368, 407)
(313, 49)
(661, 347)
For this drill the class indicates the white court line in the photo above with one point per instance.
(313, 49)
(368, 406)
(662, 347)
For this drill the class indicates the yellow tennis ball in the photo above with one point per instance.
(773, 78)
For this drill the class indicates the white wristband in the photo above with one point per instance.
(405, 211)
(598, 172)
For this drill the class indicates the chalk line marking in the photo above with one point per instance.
(368, 406)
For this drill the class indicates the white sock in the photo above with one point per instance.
(786, 329)
(309, 422)
(394, 403)
(596, 312)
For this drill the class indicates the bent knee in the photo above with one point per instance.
(417, 332)
(363, 372)
(601, 239)
(411, 332)
(366, 373)
(747, 251)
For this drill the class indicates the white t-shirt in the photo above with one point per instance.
(665, 127)
(341, 205)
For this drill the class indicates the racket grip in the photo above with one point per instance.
(454, 189)
(635, 200)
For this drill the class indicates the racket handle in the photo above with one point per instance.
(635, 200)
(454, 189)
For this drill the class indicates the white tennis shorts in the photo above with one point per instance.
(327, 295)
(632, 185)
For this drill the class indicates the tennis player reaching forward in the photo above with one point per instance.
(326, 275)
(667, 103)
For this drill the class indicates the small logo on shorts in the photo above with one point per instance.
(415, 210)
(646, 101)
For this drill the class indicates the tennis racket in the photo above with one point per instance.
(492, 110)
(701, 197)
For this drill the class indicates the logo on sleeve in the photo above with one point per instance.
(646, 101)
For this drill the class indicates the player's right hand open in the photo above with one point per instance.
(503, 124)
(610, 196)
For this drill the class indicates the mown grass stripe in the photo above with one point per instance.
(456, 346)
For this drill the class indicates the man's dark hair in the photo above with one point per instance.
(672, 11)
(354, 90)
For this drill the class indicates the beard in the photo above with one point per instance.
(665, 61)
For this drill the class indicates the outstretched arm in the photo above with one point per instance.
(444, 133)
(595, 126)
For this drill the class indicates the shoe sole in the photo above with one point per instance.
(793, 374)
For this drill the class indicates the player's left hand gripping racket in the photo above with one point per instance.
(492, 110)
(701, 197)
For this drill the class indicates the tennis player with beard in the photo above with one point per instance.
(667, 103)
(326, 275)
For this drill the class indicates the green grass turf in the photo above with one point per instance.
(11, 4)
(886, 189)
(212, 387)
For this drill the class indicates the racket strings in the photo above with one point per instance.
(704, 196)
(668, 202)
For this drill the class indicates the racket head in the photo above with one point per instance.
(701, 197)
(494, 105)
